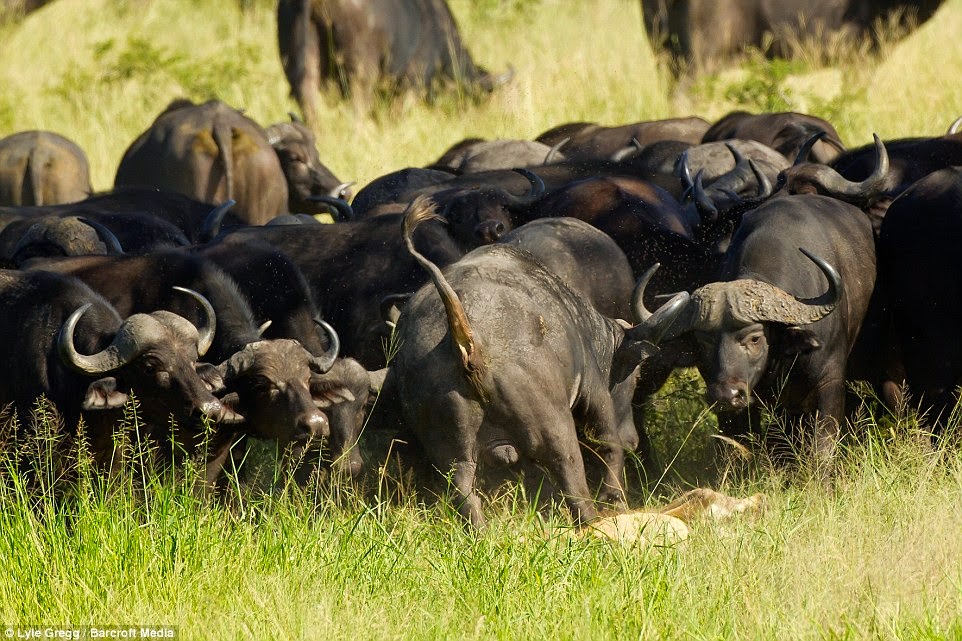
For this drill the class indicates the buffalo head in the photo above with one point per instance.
(155, 354)
(306, 175)
(733, 323)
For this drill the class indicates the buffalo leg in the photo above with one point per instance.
(561, 457)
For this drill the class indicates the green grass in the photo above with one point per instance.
(878, 555)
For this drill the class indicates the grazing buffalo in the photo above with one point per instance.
(775, 327)
(210, 152)
(360, 45)
(278, 292)
(42, 168)
(501, 364)
(69, 344)
(918, 269)
(705, 34)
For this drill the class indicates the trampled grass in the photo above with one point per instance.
(875, 556)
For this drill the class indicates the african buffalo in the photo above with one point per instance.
(361, 45)
(42, 168)
(785, 132)
(776, 329)
(69, 344)
(705, 34)
(500, 363)
(918, 268)
(588, 141)
(210, 152)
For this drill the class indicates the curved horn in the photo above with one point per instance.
(806, 148)
(954, 127)
(324, 362)
(834, 293)
(341, 206)
(737, 155)
(338, 192)
(684, 172)
(295, 118)
(111, 242)
(632, 148)
(263, 328)
(205, 335)
(638, 308)
(214, 220)
(537, 189)
(834, 184)
(764, 184)
(702, 201)
(111, 358)
(555, 150)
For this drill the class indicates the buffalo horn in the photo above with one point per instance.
(341, 206)
(684, 172)
(206, 335)
(338, 192)
(638, 308)
(215, 219)
(756, 301)
(554, 151)
(324, 362)
(834, 184)
(536, 192)
(955, 126)
(806, 148)
(632, 148)
(110, 241)
(111, 358)
(702, 201)
(295, 118)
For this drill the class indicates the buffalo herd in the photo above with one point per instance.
(504, 310)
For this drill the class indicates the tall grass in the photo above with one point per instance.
(877, 555)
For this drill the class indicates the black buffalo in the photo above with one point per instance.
(705, 34)
(918, 269)
(69, 344)
(500, 363)
(359, 46)
(775, 327)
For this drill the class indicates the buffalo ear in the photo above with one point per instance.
(211, 376)
(328, 393)
(102, 394)
(795, 341)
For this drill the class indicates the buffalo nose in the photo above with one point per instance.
(220, 413)
(313, 425)
(489, 231)
(730, 395)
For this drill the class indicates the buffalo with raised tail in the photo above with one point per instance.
(501, 364)
(359, 46)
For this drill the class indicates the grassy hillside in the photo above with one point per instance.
(99, 71)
